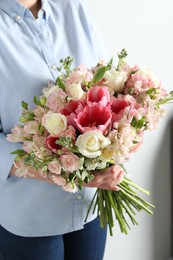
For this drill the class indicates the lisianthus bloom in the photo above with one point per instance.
(54, 123)
(94, 116)
(34, 145)
(92, 164)
(141, 80)
(91, 142)
(99, 95)
(18, 134)
(121, 142)
(56, 100)
(39, 113)
(31, 127)
(78, 75)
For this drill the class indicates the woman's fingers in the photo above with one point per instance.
(107, 179)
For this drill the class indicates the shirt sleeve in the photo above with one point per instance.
(6, 158)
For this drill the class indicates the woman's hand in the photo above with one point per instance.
(28, 172)
(107, 179)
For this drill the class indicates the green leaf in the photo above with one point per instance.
(151, 91)
(19, 152)
(60, 83)
(43, 101)
(99, 75)
(138, 123)
(24, 105)
(36, 101)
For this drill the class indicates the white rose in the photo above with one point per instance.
(55, 123)
(76, 91)
(91, 142)
(115, 79)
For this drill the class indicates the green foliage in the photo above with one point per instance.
(101, 71)
(19, 153)
(66, 65)
(40, 101)
(60, 83)
(138, 123)
(67, 142)
(121, 56)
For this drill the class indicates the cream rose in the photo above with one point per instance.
(76, 92)
(91, 142)
(55, 123)
(107, 153)
(115, 79)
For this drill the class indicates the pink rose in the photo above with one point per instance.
(70, 162)
(58, 180)
(54, 167)
(69, 188)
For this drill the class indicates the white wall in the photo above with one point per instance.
(145, 29)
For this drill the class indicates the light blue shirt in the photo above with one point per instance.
(29, 53)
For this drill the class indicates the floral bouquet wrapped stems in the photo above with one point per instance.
(88, 120)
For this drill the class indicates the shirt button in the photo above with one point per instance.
(18, 17)
(79, 197)
(41, 12)
(53, 67)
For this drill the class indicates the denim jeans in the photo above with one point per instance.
(84, 244)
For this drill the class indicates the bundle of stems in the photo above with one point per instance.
(120, 205)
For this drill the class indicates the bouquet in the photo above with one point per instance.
(88, 120)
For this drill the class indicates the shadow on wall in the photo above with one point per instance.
(162, 192)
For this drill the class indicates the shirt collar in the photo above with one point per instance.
(17, 11)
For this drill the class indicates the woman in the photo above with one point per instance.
(38, 219)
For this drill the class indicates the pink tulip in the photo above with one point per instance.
(118, 107)
(51, 143)
(94, 116)
(99, 95)
(71, 110)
